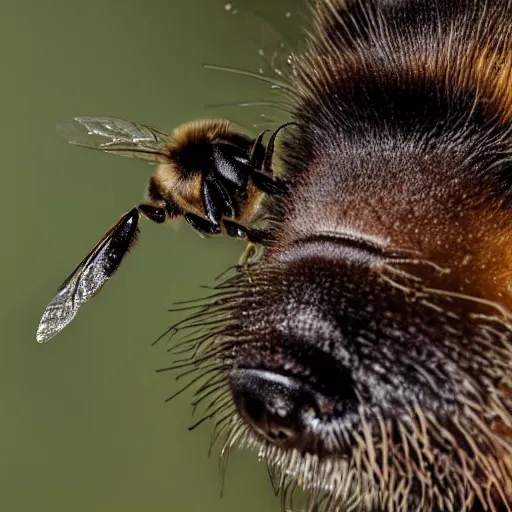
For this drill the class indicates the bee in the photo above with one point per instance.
(208, 172)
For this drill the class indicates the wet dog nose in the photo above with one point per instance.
(279, 407)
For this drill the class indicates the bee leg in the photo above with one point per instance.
(269, 153)
(236, 230)
(268, 184)
(266, 181)
(172, 209)
(203, 226)
(153, 213)
(258, 151)
(216, 200)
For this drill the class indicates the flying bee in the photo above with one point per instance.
(208, 171)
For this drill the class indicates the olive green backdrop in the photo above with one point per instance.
(83, 423)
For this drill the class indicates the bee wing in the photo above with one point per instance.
(114, 135)
(89, 276)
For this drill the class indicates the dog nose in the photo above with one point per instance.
(279, 407)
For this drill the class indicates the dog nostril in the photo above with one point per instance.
(276, 406)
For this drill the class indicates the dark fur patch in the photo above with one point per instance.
(434, 76)
(391, 263)
(403, 140)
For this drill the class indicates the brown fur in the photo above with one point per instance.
(183, 184)
(472, 59)
(460, 221)
(184, 191)
(387, 286)
(170, 179)
(456, 220)
(475, 57)
(202, 130)
(250, 207)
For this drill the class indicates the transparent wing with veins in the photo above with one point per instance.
(115, 135)
(90, 275)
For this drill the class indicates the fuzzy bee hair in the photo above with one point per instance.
(387, 285)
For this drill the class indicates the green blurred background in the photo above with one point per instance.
(84, 426)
